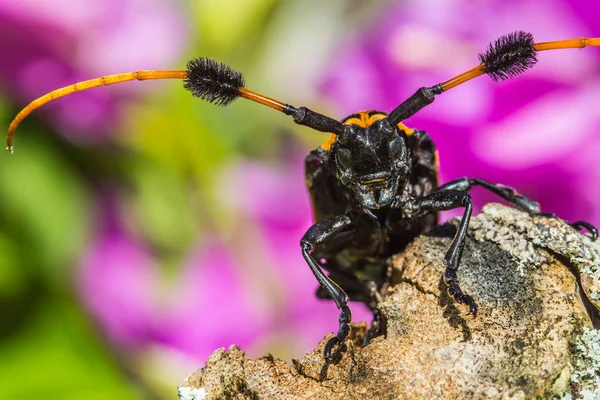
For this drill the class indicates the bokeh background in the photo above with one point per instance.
(141, 229)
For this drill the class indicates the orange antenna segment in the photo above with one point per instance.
(567, 44)
(464, 77)
(261, 99)
(84, 85)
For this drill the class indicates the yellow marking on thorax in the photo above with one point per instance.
(329, 142)
(353, 121)
(371, 120)
(364, 119)
(405, 129)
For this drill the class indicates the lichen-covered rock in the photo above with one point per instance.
(536, 281)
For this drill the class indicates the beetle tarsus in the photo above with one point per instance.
(579, 225)
(456, 292)
(343, 331)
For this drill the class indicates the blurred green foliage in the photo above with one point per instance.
(58, 355)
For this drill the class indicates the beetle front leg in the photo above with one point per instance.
(319, 234)
(443, 201)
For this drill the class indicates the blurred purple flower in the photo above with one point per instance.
(47, 45)
(205, 308)
(211, 306)
(539, 133)
(118, 280)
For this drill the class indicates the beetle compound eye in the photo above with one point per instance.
(384, 125)
(396, 148)
(344, 158)
(398, 152)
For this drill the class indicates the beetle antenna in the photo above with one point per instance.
(207, 79)
(509, 56)
(220, 84)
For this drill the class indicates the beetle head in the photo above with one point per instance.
(372, 160)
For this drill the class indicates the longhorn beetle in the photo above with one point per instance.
(373, 183)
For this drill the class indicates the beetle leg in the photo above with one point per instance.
(509, 194)
(377, 325)
(319, 234)
(448, 200)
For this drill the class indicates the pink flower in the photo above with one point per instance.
(118, 280)
(211, 306)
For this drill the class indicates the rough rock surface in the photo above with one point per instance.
(537, 283)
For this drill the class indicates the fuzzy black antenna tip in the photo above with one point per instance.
(509, 56)
(213, 81)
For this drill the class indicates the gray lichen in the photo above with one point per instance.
(587, 364)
